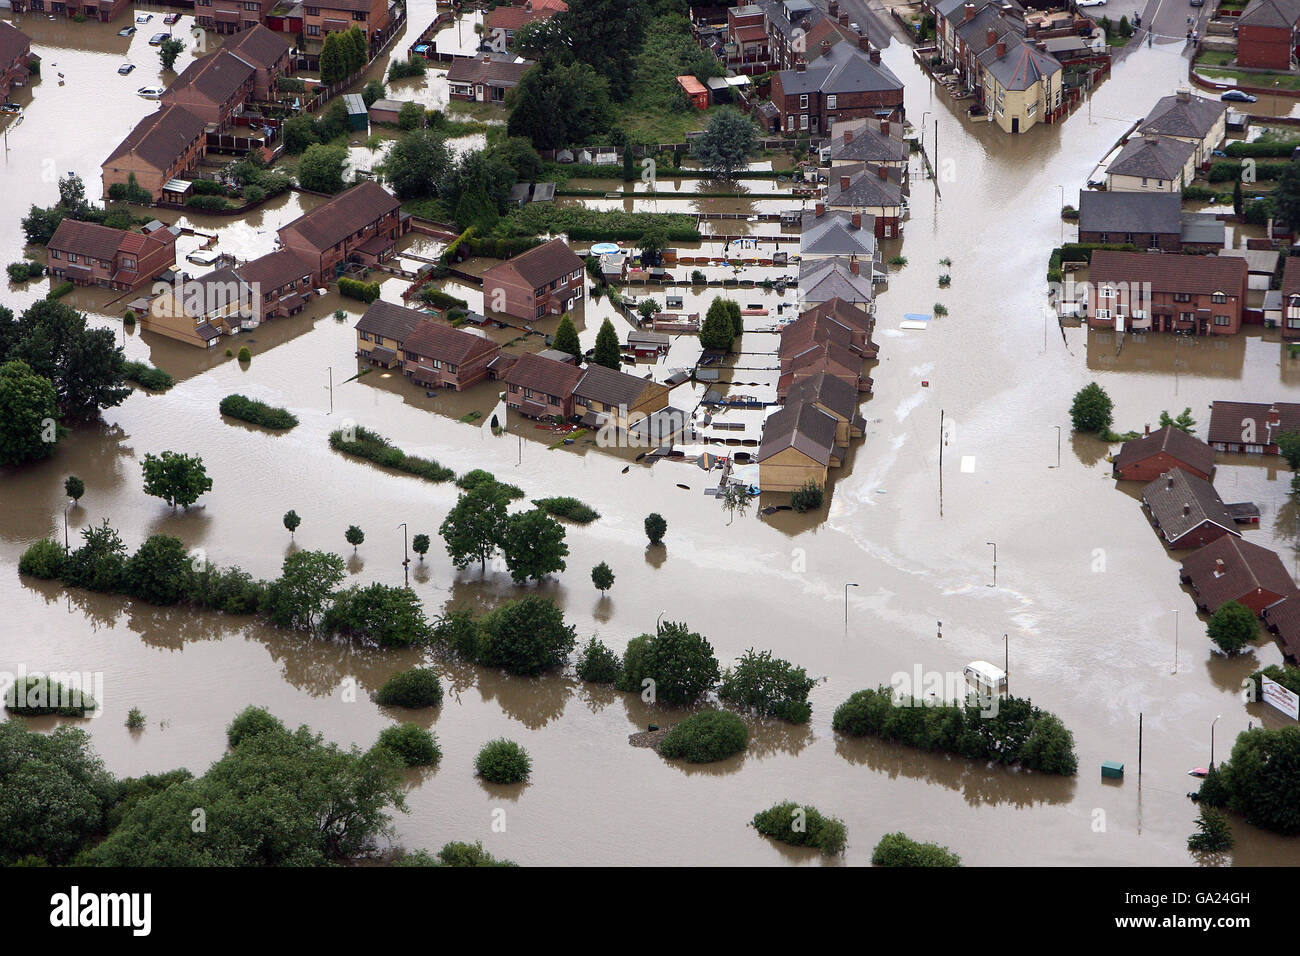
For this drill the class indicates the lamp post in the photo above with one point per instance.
(846, 606)
(406, 556)
(1058, 446)
(994, 545)
(330, 368)
(1175, 670)
(1217, 718)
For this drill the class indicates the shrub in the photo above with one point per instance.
(802, 826)
(769, 687)
(252, 722)
(808, 497)
(459, 631)
(706, 737)
(20, 271)
(412, 744)
(401, 69)
(597, 664)
(472, 479)
(897, 849)
(1213, 835)
(698, 277)
(207, 187)
(380, 615)
(208, 203)
(375, 447)
(39, 696)
(258, 413)
(602, 577)
(468, 854)
(417, 687)
(42, 559)
(431, 295)
(355, 289)
(231, 590)
(680, 663)
(254, 194)
(655, 527)
(570, 508)
(503, 761)
(59, 291)
(100, 563)
(146, 376)
(1232, 627)
(135, 719)
(244, 354)
(525, 637)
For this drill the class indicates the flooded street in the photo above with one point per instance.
(1084, 589)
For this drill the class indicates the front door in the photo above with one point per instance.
(1015, 124)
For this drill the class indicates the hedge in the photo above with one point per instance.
(1240, 148)
(375, 447)
(455, 244)
(414, 688)
(355, 289)
(207, 187)
(582, 224)
(38, 696)
(60, 290)
(436, 297)
(209, 203)
(566, 507)
(801, 826)
(258, 413)
(1225, 171)
(898, 849)
(147, 376)
(500, 248)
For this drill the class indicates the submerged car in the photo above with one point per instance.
(1237, 96)
(144, 18)
(125, 68)
(150, 92)
(1090, 3)
(171, 18)
(126, 32)
(10, 108)
(157, 39)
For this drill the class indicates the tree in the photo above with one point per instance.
(525, 637)
(1233, 627)
(1125, 28)
(378, 615)
(540, 37)
(410, 116)
(566, 338)
(705, 737)
(74, 487)
(647, 309)
(597, 664)
(321, 168)
(724, 146)
(473, 527)
(298, 597)
(168, 51)
(607, 34)
(678, 661)
(1091, 410)
(1288, 446)
(1285, 195)
(503, 761)
(533, 545)
(420, 545)
(334, 59)
(718, 330)
(416, 164)
(85, 364)
(629, 166)
(1214, 834)
(559, 104)
(768, 686)
(655, 527)
(477, 188)
(176, 478)
(291, 522)
(355, 536)
(1262, 778)
(299, 132)
(1184, 422)
(156, 572)
(808, 496)
(602, 577)
(100, 563)
(608, 352)
(29, 415)
(518, 153)
(374, 90)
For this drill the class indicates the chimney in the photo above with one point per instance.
(853, 265)
(1187, 509)
(819, 210)
(800, 66)
(864, 42)
(1170, 482)
(875, 55)
(826, 47)
(844, 19)
(848, 136)
(833, 9)
(844, 183)
(1274, 417)
(969, 11)
(1041, 46)
(1219, 567)
(856, 219)
(487, 57)
(991, 37)
(1184, 96)
(1148, 429)
(1001, 49)
(882, 172)
(884, 126)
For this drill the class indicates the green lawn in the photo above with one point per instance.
(1258, 80)
(658, 126)
(1214, 58)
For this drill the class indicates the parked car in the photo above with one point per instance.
(125, 68)
(157, 39)
(10, 108)
(126, 32)
(144, 18)
(1198, 3)
(150, 92)
(1090, 3)
(171, 18)
(1237, 96)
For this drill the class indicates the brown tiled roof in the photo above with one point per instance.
(352, 6)
(216, 78)
(1179, 502)
(842, 311)
(543, 264)
(331, 223)
(600, 384)
(389, 320)
(1291, 278)
(1188, 449)
(438, 341)
(258, 45)
(275, 269)
(161, 137)
(832, 393)
(87, 239)
(13, 43)
(496, 69)
(811, 330)
(1200, 275)
(804, 427)
(1247, 569)
(1229, 419)
(1284, 620)
(544, 375)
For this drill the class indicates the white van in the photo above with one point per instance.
(985, 676)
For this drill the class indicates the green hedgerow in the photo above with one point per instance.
(42, 559)
(802, 826)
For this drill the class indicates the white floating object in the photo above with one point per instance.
(968, 464)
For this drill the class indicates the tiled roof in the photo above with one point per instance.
(1126, 212)
(1021, 66)
(804, 427)
(866, 187)
(1283, 14)
(1246, 568)
(161, 137)
(1156, 157)
(1291, 277)
(87, 239)
(261, 47)
(544, 375)
(832, 393)
(610, 386)
(542, 264)
(497, 69)
(1175, 442)
(833, 234)
(438, 341)
(1180, 502)
(863, 141)
(13, 43)
(1230, 421)
(275, 269)
(822, 279)
(389, 320)
(1182, 114)
(842, 69)
(217, 78)
(1203, 275)
(331, 223)
(843, 312)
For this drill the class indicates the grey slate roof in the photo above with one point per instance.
(824, 279)
(833, 234)
(842, 69)
(862, 141)
(830, 391)
(1021, 66)
(866, 187)
(1130, 212)
(1284, 14)
(1182, 114)
(1179, 502)
(804, 427)
(610, 386)
(1156, 157)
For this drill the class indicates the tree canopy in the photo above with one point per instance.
(726, 143)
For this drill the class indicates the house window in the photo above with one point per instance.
(1103, 313)
(803, 101)
(359, 15)
(830, 101)
(1182, 297)
(1222, 320)
(1144, 182)
(1107, 292)
(541, 311)
(803, 121)
(790, 122)
(365, 337)
(313, 29)
(412, 357)
(312, 11)
(55, 254)
(451, 368)
(73, 258)
(1186, 317)
(252, 7)
(437, 363)
(1219, 297)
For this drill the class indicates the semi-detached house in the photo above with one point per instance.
(545, 280)
(437, 356)
(846, 82)
(541, 387)
(361, 224)
(15, 58)
(161, 147)
(87, 253)
(1203, 295)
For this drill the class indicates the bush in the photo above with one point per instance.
(412, 744)
(231, 590)
(417, 687)
(1213, 835)
(22, 271)
(802, 826)
(258, 413)
(570, 508)
(208, 203)
(503, 761)
(431, 295)
(356, 289)
(679, 662)
(135, 719)
(401, 69)
(207, 187)
(468, 854)
(597, 664)
(43, 559)
(253, 194)
(146, 376)
(244, 354)
(808, 497)
(1233, 627)
(525, 637)
(897, 849)
(100, 563)
(769, 687)
(380, 615)
(472, 479)
(59, 291)
(1091, 409)
(375, 447)
(39, 696)
(706, 737)
(655, 527)
(252, 722)
(460, 632)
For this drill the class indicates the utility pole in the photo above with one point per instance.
(995, 563)
(1212, 723)
(406, 556)
(331, 387)
(846, 606)
(1058, 446)
(1175, 670)
(1139, 743)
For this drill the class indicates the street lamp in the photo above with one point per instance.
(65, 526)
(1175, 670)
(406, 556)
(846, 606)
(1058, 448)
(331, 387)
(1212, 723)
(658, 619)
(995, 562)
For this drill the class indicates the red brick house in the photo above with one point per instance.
(361, 225)
(1251, 428)
(846, 82)
(323, 17)
(505, 21)
(162, 146)
(438, 356)
(1267, 35)
(15, 58)
(213, 87)
(1203, 295)
(231, 16)
(101, 10)
(1291, 299)
(1186, 510)
(267, 52)
(546, 280)
(1161, 451)
(875, 190)
(540, 387)
(485, 78)
(87, 253)
(1230, 569)
(280, 283)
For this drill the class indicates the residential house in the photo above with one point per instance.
(1193, 119)
(978, 31)
(873, 190)
(951, 15)
(798, 447)
(280, 283)
(100, 10)
(1267, 35)
(1022, 84)
(485, 78)
(546, 280)
(15, 58)
(1251, 428)
(845, 82)
(1284, 620)
(359, 225)
(87, 253)
(1291, 299)
(838, 233)
(1152, 163)
(787, 24)
(541, 387)
(608, 396)
(821, 280)
(162, 146)
(266, 51)
(213, 87)
(747, 43)
(836, 398)
(1186, 510)
(227, 17)
(504, 21)
(1161, 451)
(1204, 295)
(323, 17)
(382, 332)
(1145, 220)
(200, 311)
(879, 142)
(437, 356)
(1230, 569)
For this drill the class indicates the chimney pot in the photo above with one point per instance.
(826, 45)
(1187, 509)
(882, 172)
(1184, 96)
(856, 219)
(1219, 566)
(853, 265)
(884, 126)
(819, 210)
(844, 19)
(969, 10)
(1148, 428)
(1002, 49)
(864, 42)
(844, 183)
(848, 136)
(1274, 416)
(833, 8)
(875, 55)
(800, 66)
(990, 37)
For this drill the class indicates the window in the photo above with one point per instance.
(55, 254)
(1103, 313)
(1186, 317)
(412, 357)
(803, 101)
(577, 274)
(128, 263)
(1219, 297)
(1222, 320)
(1031, 109)
(803, 121)
(73, 258)
(1182, 297)
(437, 363)
(1107, 292)
(313, 29)
(451, 368)
(252, 7)
(541, 311)
(830, 101)
(1144, 182)
(790, 122)
(359, 15)
(312, 11)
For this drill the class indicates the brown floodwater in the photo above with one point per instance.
(1084, 590)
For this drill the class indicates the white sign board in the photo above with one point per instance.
(1281, 698)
